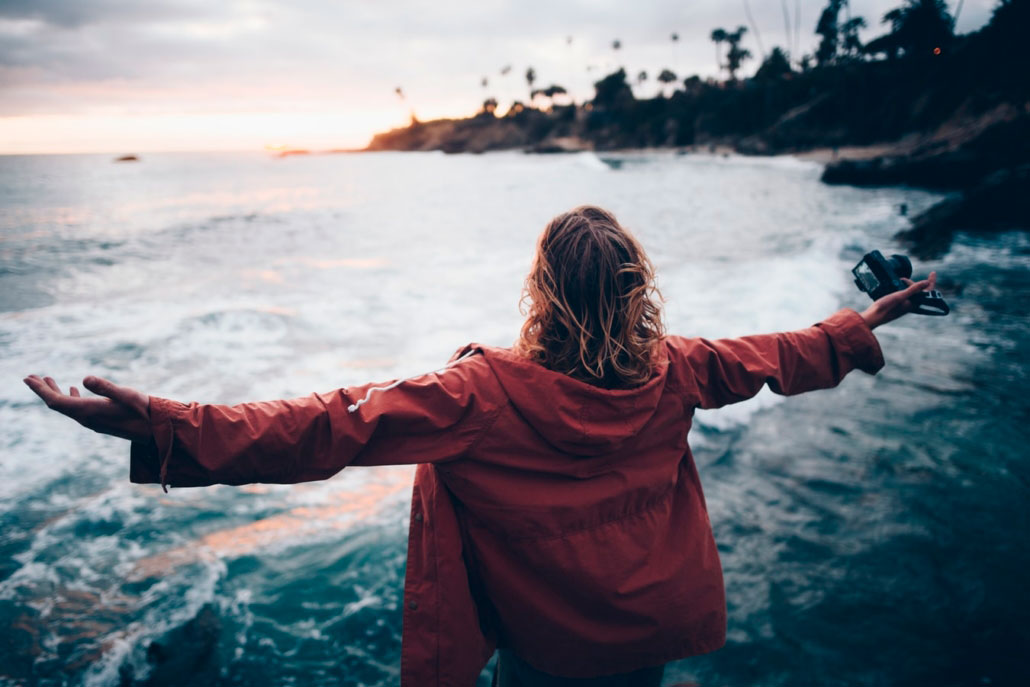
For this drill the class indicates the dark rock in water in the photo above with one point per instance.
(187, 654)
(957, 169)
(999, 202)
(960, 162)
(127, 158)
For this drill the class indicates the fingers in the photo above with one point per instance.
(915, 287)
(74, 392)
(101, 386)
(931, 281)
(46, 389)
(38, 386)
(120, 394)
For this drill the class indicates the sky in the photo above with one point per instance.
(131, 76)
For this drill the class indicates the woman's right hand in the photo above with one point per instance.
(894, 305)
(116, 410)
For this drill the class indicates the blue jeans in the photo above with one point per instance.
(512, 671)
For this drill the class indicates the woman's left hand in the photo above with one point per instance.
(116, 410)
(894, 305)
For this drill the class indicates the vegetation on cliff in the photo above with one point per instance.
(953, 109)
(915, 79)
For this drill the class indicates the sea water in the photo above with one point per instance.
(875, 534)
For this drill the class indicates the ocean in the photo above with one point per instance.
(874, 534)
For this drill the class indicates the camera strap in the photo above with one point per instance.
(930, 303)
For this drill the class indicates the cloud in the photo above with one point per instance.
(196, 57)
(79, 13)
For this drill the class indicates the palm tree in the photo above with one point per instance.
(921, 26)
(736, 55)
(718, 37)
(828, 29)
(665, 78)
(852, 46)
(530, 78)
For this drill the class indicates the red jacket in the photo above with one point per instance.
(564, 521)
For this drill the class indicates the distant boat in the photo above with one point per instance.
(127, 158)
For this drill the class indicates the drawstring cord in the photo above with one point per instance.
(167, 455)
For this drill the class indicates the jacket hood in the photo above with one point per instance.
(573, 416)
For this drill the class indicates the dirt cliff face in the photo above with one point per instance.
(473, 135)
(525, 129)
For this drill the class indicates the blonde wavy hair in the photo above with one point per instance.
(592, 308)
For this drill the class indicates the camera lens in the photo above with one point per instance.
(901, 265)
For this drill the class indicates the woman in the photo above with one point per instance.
(557, 513)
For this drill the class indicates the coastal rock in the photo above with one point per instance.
(956, 157)
(187, 654)
(1001, 201)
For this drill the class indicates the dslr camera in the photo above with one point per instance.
(879, 276)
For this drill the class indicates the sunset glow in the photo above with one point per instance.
(124, 78)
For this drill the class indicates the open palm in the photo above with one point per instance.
(894, 305)
(116, 410)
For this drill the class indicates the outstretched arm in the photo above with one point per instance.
(115, 410)
(724, 371)
(431, 418)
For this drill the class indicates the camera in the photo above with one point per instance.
(879, 276)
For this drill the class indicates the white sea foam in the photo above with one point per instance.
(228, 279)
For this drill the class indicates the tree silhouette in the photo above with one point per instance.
(550, 92)
(718, 37)
(852, 45)
(920, 26)
(530, 79)
(736, 55)
(693, 84)
(774, 66)
(489, 107)
(665, 78)
(612, 90)
(828, 30)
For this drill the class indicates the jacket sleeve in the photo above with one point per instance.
(730, 370)
(427, 419)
